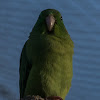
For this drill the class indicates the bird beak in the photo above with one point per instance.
(50, 20)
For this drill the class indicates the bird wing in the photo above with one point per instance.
(24, 70)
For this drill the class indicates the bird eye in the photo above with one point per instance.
(61, 17)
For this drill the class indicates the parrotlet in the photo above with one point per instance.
(46, 58)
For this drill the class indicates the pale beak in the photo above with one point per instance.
(50, 20)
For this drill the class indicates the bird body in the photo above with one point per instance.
(46, 58)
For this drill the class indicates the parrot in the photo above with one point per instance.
(46, 58)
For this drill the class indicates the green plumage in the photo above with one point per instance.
(46, 59)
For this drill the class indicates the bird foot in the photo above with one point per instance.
(54, 98)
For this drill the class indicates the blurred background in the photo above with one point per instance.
(82, 20)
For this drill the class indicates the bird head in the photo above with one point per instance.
(50, 23)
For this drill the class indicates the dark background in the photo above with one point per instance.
(82, 20)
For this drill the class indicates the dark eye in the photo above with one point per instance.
(61, 17)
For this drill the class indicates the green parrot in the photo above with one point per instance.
(46, 58)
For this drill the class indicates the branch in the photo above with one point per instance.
(29, 97)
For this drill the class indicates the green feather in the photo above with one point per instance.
(46, 59)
